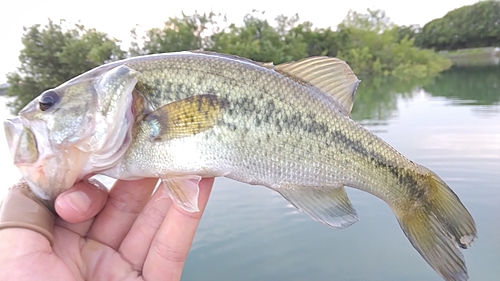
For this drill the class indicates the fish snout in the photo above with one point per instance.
(21, 141)
(24, 151)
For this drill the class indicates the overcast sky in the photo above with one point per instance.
(117, 18)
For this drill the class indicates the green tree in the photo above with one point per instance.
(408, 31)
(369, 42)
(177, 34)
(375, 48)
(471, 26)
(373, 21)
(259, 41)
(319, 41)
(53, 54)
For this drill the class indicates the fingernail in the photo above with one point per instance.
(96, 183)
(78, 200)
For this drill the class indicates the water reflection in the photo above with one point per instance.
(377, 98)
(468, 85)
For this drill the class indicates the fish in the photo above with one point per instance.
(183, 116)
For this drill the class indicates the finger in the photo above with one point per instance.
(81, 203)
(136, 244)
(125, 201)
(171, 244)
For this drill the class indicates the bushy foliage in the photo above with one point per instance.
(260, 41)
(369, 42)
(55, 53)
(376, 48)
(471, 26)
(177, 34)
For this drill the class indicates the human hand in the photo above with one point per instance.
(126, 235)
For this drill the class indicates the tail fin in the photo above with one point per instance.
(437, 227)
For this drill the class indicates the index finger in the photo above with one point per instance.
(172, 242)
(125, 201)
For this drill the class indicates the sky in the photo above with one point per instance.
(117, 18)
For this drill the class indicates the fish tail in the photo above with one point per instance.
(438, 225)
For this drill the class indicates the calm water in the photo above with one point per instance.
(450, 124)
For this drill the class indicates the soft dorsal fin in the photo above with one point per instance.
(331, 75)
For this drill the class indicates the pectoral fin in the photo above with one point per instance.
(184, 117)
(327, 205)
(183, 191)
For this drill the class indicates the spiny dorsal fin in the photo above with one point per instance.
(328, 205)
(331, 75)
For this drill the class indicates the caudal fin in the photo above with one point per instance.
(438, 227)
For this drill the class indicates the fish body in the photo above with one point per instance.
(183, 116)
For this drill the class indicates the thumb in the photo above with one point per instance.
(81, 202)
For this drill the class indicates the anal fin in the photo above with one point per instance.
(183, 191)
(328, 205)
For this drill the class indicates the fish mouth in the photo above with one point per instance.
(35, 160)
(22, 142)
(24, 152)
(48, 170)
(13, 128)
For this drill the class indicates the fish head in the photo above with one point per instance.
(71, 132)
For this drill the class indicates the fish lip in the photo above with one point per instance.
(13, 128)
(30, 170)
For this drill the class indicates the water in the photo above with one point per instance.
(450, 124)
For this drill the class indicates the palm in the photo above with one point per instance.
(136, 236)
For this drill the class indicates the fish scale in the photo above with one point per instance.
(183, 116)
(274, 119)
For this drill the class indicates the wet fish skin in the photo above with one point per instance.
(77, 136)
(286, 127)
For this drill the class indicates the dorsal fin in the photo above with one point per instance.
(331, 75)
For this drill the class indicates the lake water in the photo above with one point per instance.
(450, 124)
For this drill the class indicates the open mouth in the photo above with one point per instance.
(22, 142)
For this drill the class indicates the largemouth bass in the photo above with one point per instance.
(184, 116)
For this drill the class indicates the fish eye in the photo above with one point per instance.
(48, 99)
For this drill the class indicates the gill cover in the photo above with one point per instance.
(65, 132)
